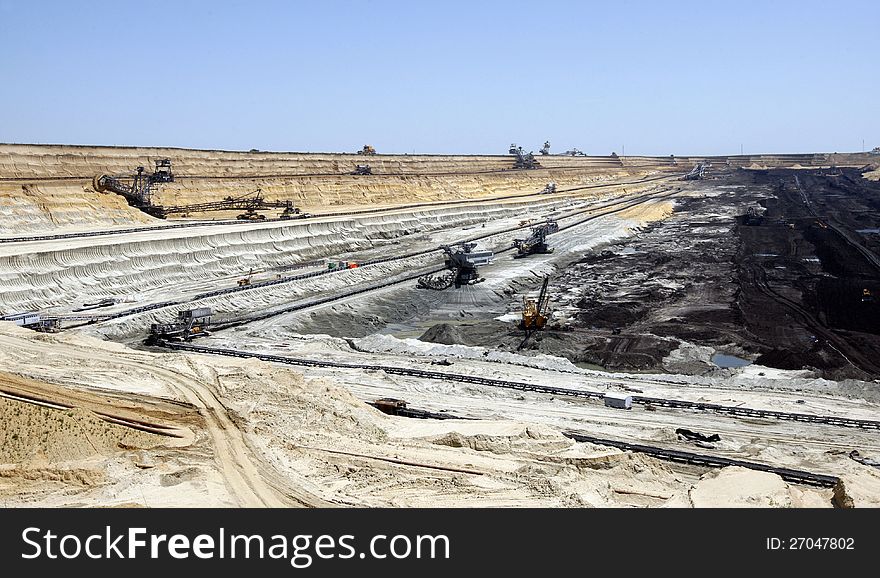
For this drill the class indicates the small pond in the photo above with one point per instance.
(722, 360)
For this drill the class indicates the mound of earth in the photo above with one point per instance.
(736, 487)
(445, 334)
(31, 433)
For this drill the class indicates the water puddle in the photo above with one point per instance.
(726, 361)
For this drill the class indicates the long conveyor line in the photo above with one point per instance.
(537, 388)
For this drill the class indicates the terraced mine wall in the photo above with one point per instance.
(44, 275)
(49, 187)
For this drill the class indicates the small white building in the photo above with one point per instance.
(618, 400)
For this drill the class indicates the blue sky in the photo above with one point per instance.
(443, 77)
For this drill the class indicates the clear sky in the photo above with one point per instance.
(655, 77)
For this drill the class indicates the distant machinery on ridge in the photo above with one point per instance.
(696, 173)
(545, 150)
(524, 160)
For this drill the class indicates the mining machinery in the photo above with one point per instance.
(250, 203)
(537, 242)
(246, 280)
(251, 214)
(545, 150)
(389, 405)
(291, 212)
(535, 311)
(139, 195)
(367, 150)
(108, 302)
(191, 323)
(362, 170)
(340, 265)
(696, 173)
(524, 160)
(139, 191)
(461, 264)
(574, 153)
(550, 188)
(34, 320)
(754, 216)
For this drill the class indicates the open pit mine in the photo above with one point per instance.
(214, 328)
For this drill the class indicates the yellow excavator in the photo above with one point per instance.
(367, 150)
(535, 314)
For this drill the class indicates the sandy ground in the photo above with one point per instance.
(89, 422)
(287, 440)
(317, 439)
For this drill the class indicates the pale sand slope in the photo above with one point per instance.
(47, 453)
(314, 443)
(49, 187)
(736, 487)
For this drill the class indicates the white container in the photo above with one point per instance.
(618, 400)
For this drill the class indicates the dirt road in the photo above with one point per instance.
(249, 479)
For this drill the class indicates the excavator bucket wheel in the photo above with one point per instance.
(97, 183)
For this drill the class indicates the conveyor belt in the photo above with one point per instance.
(536, 388)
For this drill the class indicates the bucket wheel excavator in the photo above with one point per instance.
(139, 191)
(524, 160)
(461, 265)
(537, 241)
(696, 173)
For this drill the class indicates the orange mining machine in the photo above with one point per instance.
(535, 312)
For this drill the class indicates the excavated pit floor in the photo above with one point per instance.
(667, 296)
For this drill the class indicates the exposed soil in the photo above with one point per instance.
(802, 275)
(629, 304)
(781, 288)
(653, 292)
